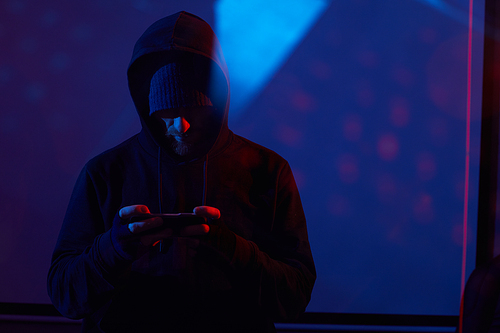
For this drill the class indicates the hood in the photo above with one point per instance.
(179, 36)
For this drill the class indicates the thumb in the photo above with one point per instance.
(207, 211)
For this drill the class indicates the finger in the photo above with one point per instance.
(137, 227)
(207, 211)
(194, 230)
(129, 211)
(150, 239)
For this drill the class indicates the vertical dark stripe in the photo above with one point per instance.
(488, 174)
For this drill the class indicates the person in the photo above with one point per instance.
(481, 300)
(245, 265)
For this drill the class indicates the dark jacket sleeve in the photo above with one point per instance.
(84, 264)
(277, 268)
(481, 299)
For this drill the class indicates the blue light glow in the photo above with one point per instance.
(459, 14)
(257, 37)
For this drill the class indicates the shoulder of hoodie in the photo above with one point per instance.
(115, 155)
(241, 144)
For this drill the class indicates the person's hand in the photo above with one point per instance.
(142, 228)
(218, 236)
(127, 237)
(207, 212)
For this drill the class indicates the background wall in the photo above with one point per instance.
(368, 102)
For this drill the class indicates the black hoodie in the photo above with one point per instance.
(265, 275)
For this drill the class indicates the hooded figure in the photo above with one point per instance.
(248, 268)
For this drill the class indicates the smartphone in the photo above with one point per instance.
(174, 220)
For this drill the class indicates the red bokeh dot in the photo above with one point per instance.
(353, 128)
(423, 209)
(439, 94)
(388, 147)
(348, 168)
(387, 188)
(303, 101)
(426, 166)
(439, 132)
(403, 76)
(289, 135)
(400, 113)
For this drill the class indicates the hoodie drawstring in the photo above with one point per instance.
(160, 189)
(160, 182)
(205, 180)
(161, 248)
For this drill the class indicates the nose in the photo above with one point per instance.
(181, 124)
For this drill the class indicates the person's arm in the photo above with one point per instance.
(84, 262)
(481, 299)
(91, 256)
(279, 273)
